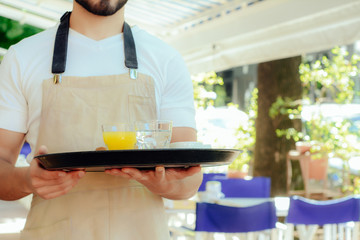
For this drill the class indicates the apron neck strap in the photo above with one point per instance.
(130, 51)
(61, 47)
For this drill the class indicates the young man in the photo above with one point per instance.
(56, 89)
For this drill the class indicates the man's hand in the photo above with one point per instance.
(173, 183)
(51, 184)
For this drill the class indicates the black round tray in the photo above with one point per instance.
(95, 161)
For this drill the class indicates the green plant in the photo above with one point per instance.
(207, 87)
(12, 32)
(246, 136)
(209, 91)
(286, 108)
(334, 137)
(331, 79)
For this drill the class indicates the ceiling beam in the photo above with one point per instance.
(25, 17)
(35, 9)
(212, 12)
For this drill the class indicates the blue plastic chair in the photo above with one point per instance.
(25, 150)
(307, 215)
(214, 218)
(256, 187)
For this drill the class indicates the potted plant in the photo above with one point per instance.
(330, 79)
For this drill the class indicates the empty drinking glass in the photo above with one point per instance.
(153, 134)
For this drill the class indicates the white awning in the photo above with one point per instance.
(271, 30)
(220, 34)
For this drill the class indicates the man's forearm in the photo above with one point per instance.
(13, 184)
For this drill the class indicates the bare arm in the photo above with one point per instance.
(16, 182)
(183, 134)
(172, 183)
(12, 180)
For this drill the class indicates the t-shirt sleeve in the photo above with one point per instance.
(177, 102)
(13, 105)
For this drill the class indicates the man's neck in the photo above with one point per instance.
(96, 27)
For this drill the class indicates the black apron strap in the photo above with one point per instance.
(130, 51)
(61, 47)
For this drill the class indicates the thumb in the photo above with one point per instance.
(42, 150)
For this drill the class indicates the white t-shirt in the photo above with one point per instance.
(28, 63)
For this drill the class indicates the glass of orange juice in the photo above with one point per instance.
(119, 136)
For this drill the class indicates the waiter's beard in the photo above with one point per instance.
(102, 7)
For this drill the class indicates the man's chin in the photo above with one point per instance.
(102, 8)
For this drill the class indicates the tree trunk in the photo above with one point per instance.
(275, 78)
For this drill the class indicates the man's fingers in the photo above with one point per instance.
(77, 174)
(38, 171)
(53, 192)
(49, 175)
(52, 175)
(133, 173)
(160, 172)
(183, 172)
(117, 172)
(42, 150)
(56, 187)
(70, 176)
(51, 184)
(193, 170)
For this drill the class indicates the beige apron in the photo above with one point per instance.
(100, 206)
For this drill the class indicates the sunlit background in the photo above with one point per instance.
(223, 42)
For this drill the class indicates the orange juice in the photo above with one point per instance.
(119, 140)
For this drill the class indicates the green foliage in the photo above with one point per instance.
(206, 86)
(209, 91)
(286, 109)
(289, 133)
(12, 32)
(355, 187)
(246, 136)
(332, 136)
(332, 78)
